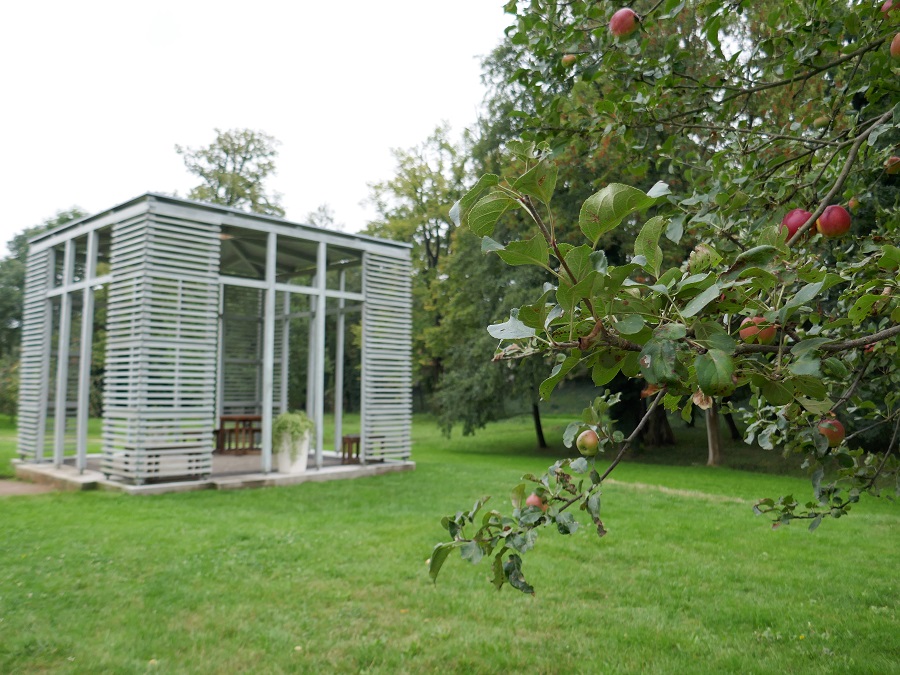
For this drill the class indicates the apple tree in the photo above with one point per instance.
(777, 125)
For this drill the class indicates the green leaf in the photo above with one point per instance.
(702, 258)
(512, 570)
(670, 331)
(802, 297)
(777, 393)
(836, 367)
(604, 210)
(459, 212)
(566, 523)
(599, 262)
(539, 181)
(485, 214)
(808, 365)
(560, 370)
(472, 552)
(579, 465)
(809, 385)
(658, 190)
(630, 324)
(814, 406)
(488, 245)
(578, 260)
(532, 251)
(568, 296)
(754, 257)
(657, 361)
(701, 300)
(863, 307)
(439, 556)
(512, 329)
(804, 346)
(647, 244)
(714, 373)
(713, 336)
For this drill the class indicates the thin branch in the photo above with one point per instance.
(847, 394)
(842, 177)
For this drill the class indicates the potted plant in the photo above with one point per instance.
(290, 441)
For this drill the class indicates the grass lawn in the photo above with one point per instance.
(331, 577)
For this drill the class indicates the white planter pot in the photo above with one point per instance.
(300, 452)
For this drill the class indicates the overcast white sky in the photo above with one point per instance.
(95, 94)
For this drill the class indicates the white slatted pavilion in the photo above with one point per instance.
(203, 305)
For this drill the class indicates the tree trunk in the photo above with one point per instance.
(658, 431)
(732, 427)
(538, 429)
(713, 439)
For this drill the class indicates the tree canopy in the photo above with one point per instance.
(763, 141)
(234, 169)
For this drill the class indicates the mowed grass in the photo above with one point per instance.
(332, 577)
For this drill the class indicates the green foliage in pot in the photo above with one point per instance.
(293, 425)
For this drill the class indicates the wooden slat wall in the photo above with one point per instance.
(162, 326)
(34, 365)
(387, 358)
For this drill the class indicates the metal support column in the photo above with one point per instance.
(321, 279)
(339, 369)
(84, 359)
(268, 353)
(285, 350)
(62, 357)
(311, 351)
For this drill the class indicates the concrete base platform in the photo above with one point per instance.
(68, 478)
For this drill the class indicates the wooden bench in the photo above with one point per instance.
(239, 434)
(350, 449)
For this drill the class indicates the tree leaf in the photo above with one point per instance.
(539, 181)
(439, 556)
(715, 369)
(485, 214)
(657, 361)
(459, 212)
(804, 346)
(512, 570)
(777, 393)
(560, 370)
(513, 329)
(701, 300)
(532, 251)
(630, 324)
(604, 210)
(803, 296)
(647, 244)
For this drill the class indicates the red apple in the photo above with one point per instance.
(588, 443)
(833, 430)
(895, 46)
(892, 166)
(887, 7)
(793, 219)
(534, 500)
(853, 204)
(568, 60)
(624, 22)
(834, 221)
(752, 333)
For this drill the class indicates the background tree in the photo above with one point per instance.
(783, 107)
(412, 207)
(234, 169)
(12, 291)
(323, 216)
